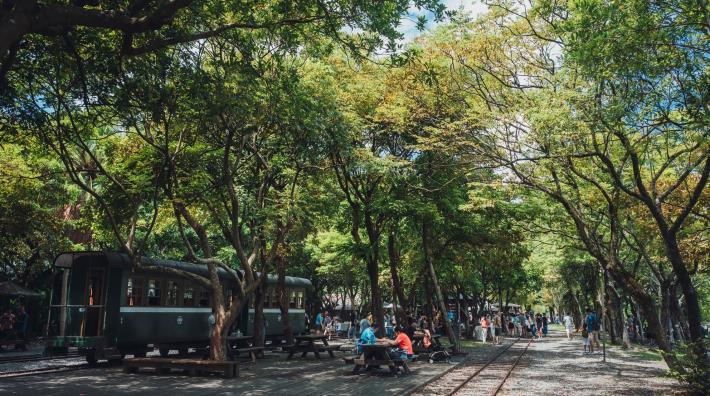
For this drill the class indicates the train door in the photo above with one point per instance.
(94, 302)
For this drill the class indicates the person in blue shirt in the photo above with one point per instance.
(319, 320)
(367, 337)
(590, 322)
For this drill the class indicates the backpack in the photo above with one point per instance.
(595, 324)
(439, 355)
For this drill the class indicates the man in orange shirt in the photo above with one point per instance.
(402, 343)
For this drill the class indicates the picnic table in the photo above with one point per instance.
(193, 366)
(314, 343)
(241, 345)
(375, 355)
(240, 341)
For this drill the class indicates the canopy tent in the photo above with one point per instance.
(9, 288)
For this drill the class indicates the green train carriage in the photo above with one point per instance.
(107, 308)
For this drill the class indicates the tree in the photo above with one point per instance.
(135, 27)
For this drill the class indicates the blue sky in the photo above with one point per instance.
(408, 25)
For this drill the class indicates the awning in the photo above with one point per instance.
(9, 288)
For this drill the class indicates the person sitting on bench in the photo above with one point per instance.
(402, 343)
(368, 336)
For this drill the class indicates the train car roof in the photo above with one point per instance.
(121, 260)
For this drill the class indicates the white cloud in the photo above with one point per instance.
(472, 6)
(408, 23)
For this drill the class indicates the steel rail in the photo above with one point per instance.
(478, 371)
(507, 375)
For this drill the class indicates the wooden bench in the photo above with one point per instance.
(194, 367)
(330, 349)
(252, 352)
(392, 363)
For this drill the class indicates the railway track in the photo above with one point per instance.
(44, 370)
(36, 358)
(491, 374)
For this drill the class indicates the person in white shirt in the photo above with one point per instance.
(569, 325)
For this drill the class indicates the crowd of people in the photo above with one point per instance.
(492, 327)
(522, 324)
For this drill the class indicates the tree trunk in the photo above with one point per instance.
(429, 299)
(579, 313)
(439, 295)
(677, 315)
(282, 295)
(663, 291)
(375, 292)
(467, 322)
(396, 283)
(692, 305)
(259, 330)
(640, 329)
(218, 341)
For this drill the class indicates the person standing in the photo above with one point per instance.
(544, 325)
(327, 322)
(22, 322)
(585, 340)
(596, 327)
(538, 325)
(497, 329)
(520, 325)
(351, 328)
(389, 331)
(569, 325)
(485, 324)
(511, 326)
(318, 322)
(589, 326)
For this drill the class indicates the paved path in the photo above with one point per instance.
(556, 366)
(273, 375)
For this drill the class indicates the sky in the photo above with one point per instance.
(408, 25)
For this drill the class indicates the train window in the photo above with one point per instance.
(228, 297)
(188, 296)
(269, 298)
(292, 299)
(134, 292)
(171, 299)
(299, 300)
(205, 298)
(274, 298)
(153, 292)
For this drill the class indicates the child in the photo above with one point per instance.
(585, 339)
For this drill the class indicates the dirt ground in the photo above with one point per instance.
(556, 366)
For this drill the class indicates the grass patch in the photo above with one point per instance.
(638, 352)
(647, 355)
